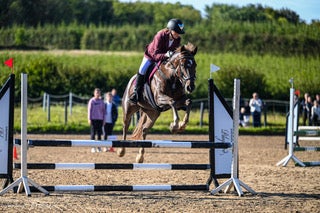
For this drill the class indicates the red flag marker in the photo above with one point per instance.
(9, 62)
(15, 154)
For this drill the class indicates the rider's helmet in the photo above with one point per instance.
(176, 25)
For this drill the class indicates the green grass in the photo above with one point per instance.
(37, 121)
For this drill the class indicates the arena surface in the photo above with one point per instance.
(279, 189)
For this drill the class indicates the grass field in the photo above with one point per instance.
(77, 121)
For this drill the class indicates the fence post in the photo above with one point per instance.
(70, 102)
(66, 111)
(265, 114)
(48, 107)
(44, 101)
(201, 114)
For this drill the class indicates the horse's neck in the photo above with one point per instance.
(166, 71)
(170, 68)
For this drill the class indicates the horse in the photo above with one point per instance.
(167, 89)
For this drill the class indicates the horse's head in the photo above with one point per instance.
(185, 66)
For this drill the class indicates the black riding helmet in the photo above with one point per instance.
(176, 25)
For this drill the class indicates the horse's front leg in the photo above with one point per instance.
(174, 126)
(184, 122)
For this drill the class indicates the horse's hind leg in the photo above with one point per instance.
(128, 111)
(149, 120)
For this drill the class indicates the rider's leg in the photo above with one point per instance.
(140, 80)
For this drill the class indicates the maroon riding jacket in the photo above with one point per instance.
(159, 46)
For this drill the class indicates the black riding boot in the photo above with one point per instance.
(134, 98)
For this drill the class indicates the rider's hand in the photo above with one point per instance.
(169, 54)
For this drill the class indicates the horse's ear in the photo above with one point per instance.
(194, 51)
(182, 48)
(191, 47)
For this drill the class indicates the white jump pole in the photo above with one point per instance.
(292, 116)
(234, 180)
(24, 181)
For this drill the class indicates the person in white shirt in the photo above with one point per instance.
(111, 116)
(255, 109)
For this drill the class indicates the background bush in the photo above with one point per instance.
(61, 72)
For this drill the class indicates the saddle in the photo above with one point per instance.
(147, 93)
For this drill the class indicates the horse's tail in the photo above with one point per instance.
(138, 131)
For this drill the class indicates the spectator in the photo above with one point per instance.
(111, 116)
(116, 98)
(306, 107)
(255, 109)
(315, 113)
(245, 114)
(309, 106)
(318, 98)
(241, 117)
(96, 116)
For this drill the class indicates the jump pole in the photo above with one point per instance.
(24, 181)
(234, 180)
(285, 160)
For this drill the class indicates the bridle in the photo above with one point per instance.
(180, 71)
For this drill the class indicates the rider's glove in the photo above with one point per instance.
(169, 54)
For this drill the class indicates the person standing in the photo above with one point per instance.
(115, 97)
(315, 113)
(111, 116)
(305, 109)
(96, 116)
(318, 98)
(308, 107)
(161, 48)
(255, 109)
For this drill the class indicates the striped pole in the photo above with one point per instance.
(309, 128)
(134, 166)
(307, 148)
(123, 143)
(311, 163)
(94, 188)
(309, 138)
(310, 133)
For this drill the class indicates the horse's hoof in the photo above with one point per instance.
(173, 128)
(139, 158)
(182, 126)
(121, 152)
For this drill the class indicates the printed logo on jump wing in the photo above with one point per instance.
(1, 132)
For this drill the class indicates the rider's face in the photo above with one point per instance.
(174, 34)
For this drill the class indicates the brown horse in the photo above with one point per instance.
(169, 86)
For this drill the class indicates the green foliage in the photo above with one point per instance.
(246, 75)
(59, 72)
(117, 26)
(20, 37)
(43, 74)
(237, 37)
(250, 13)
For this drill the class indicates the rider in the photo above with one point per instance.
(161, 48)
